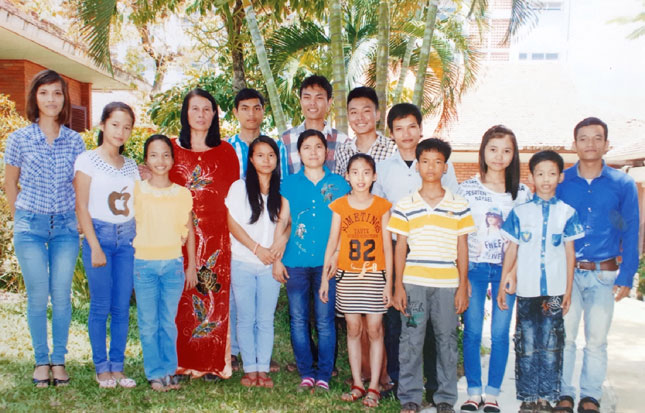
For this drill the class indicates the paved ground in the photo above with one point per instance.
(623, 389)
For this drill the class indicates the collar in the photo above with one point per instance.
(326, 129)
(416, 196)
(381, 141)
(301, 172)
(603, 172)
(537, 200)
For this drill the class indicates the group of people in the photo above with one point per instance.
(372, 229)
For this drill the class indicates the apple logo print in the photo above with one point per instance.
(120, 199)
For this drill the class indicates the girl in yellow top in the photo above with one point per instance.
(164, 222)
(364, 273)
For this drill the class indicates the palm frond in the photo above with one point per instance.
(97, 16)
(292, 42)
(523, 13)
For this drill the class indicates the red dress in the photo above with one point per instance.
(202, 318)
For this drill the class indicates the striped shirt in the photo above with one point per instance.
(290, 140)
(381, 149)
(46, 171)
(432, 237)
(242, 152)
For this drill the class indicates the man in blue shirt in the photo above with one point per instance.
(607, 204)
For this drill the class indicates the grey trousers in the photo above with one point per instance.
(438, 304)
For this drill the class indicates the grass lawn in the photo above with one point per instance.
(83, 395)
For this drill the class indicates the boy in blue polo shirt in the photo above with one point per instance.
(541, 234)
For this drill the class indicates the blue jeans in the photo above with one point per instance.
(592, 295)
(232, 322)
(302, 282)
(480, 275)
(47, 248)
(256, 296)
(110, 292)
(158, 285)
(539, 341)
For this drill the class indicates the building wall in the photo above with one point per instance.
(15, 79)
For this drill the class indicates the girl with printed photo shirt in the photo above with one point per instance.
(491, 196)
(104, 184)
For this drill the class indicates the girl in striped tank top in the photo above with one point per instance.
(362, 264)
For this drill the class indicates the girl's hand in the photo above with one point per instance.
(566, 303)
(387, 296)
(507, 287)
(323, 292)
(401, 300)
(98, 257)
(461, 299)
(510, 285)
(265, 255)
(191, 278)
(144, 172)
(279, 272)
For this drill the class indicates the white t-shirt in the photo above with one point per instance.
(111, 189)
(261, 231)
(489, 210)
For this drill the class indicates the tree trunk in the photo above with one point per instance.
(382, 59)
(234, 23)
(405, 63)
(265, 68)
(424, 54)
(338, 64)
(162, 60)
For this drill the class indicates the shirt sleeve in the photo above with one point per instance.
(449, 179)
(13, 151)
(511, 228)
(630, 215)
(83, 164)
(398, 223)
(235, 199)
(284, 159)
(340, 156)
(573, 229)
(378, 188)
(466, 224)
(80, 145)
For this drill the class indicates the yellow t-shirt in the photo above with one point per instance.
(161, 215)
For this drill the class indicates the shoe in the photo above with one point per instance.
(527, 407)
(445, 408)
(57, 381)
(354, 394)
(410, 407)
(235, 363)
(471, 406)
(249, 381)
(157, 385)
(306, 384)
(565, 405)
(110, 383)
(591, 400)
(543, 406)
(372, 398)
(125, 382)
(274, 367)
(171, 382)
(211, 378)
(491, 407)
(291, 367)
(322, 385)
(265, 381)
(41, 383)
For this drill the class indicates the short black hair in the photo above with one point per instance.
(157, 137)
(589, 122)
(310, 132)
(246, 94)
(317, 80)
(434, 144)
(363, 92)
(402, 110)
(547, 155)
(367, 158)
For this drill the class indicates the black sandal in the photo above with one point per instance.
(565, 409)
(588, 400)
(411, 406)
(40, 383)
(60, 382)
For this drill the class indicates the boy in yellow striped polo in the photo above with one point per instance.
(432, 281)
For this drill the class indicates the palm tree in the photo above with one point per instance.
(338, 64)
(424, 56)
(382, 59)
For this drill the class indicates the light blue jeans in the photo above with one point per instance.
(110, 292)
(47, 248)
(480, 276)
(256, 296)
(592, 296)
(158, 285)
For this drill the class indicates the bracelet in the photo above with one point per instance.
(256, 248)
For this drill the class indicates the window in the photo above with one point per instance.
(552, 56)
(537, 56)
(522, 56)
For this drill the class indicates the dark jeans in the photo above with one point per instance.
(539, 341)
(392, 332)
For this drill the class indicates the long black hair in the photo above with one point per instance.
(107, 112)
(213, 137)
(157, 137)
(253, 192)
(512, 172)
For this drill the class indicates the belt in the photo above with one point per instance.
(607, 265)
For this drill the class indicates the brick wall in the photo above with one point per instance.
(17, 74)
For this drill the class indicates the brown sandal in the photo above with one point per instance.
(372, 398)
(265, 382)
(249, 381)
(354, 394)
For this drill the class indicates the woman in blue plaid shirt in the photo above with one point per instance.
(40, 157)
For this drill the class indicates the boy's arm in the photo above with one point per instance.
(387, 250)
(509, 276)
(570, 252)
(400, 251)
(191, 267)
(461, 295)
